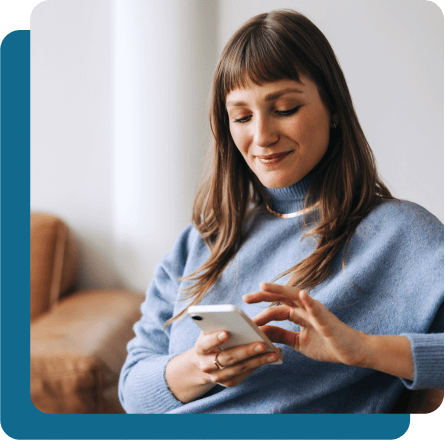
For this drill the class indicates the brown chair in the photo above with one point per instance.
(418, 402)
(78, 338)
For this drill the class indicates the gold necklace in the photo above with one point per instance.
(291, 214)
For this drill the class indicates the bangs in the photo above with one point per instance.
(259, 56)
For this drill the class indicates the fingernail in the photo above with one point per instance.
(272, 358)
(259, 349)
(222, 336)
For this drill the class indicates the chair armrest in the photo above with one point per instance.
(79, 347)
(418, 401)
(54, 261)
(424, 401)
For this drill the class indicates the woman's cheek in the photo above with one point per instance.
(241, 141)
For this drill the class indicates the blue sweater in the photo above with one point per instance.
(393, 285)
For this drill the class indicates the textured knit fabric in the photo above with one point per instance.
(392, 284)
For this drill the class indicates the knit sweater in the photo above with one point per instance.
(392, 284)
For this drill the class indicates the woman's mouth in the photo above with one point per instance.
(272, 159)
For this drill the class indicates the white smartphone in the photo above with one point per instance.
(231, 318)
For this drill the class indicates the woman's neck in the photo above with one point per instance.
(289, 199)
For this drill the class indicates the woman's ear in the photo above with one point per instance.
(335, 120)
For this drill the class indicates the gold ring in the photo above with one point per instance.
(218, 365)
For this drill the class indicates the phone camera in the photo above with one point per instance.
(197, 318)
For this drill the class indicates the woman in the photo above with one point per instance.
(293, 195)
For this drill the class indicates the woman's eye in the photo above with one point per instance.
(242, 120)
(288, 112)
(283, 113)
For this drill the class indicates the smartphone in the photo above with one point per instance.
(231, 318)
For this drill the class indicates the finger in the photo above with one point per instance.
(274, 292)
(234, 381)
(238, 354)
(256, 297)
(287, 291)
(306, 301)
(282, 336)
(208, 343)
(320, 315)
(279, 313)
(233, 375)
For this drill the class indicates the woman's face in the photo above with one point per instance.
(281, 129)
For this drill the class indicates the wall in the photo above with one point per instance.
(119, 126)
(163, 63)
(71, 121)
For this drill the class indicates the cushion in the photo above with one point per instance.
(54, 261)
(78, 349)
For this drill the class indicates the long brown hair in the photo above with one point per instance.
(283, 44)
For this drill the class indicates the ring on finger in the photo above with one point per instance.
(218, 365)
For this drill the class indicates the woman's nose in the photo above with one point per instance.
(265, 133)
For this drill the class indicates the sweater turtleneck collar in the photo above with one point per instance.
(289, 199)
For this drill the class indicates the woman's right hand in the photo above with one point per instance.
(194, 372)
(237, 363)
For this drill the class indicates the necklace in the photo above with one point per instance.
(291, 214)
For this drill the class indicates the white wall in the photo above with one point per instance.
(163, 64)
(71, 136)
(119, 123)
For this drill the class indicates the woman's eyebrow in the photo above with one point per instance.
(269, 97)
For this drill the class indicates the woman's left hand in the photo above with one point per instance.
(322, 336)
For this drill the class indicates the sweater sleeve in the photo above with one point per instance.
(428, 356)
(142, 384)
(421, 239)
(427, 352)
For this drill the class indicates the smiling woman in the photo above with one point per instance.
(293, 193)
(281, 129)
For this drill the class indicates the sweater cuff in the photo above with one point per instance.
(150, 386)
(427, 352)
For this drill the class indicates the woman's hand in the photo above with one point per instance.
(322, 335)
(325, 338)
(236, 363)
(194, 372)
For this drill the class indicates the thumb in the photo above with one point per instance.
(319, 316)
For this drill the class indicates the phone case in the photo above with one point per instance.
(231, 318)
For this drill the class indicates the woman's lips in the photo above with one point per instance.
(272, 159)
